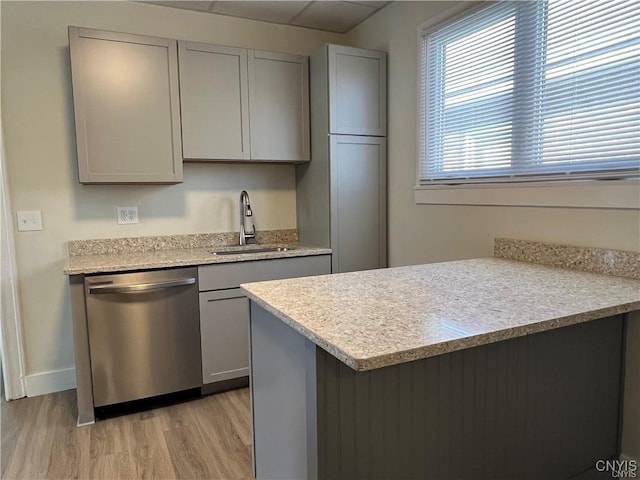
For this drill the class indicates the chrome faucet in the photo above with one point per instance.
(245, 211)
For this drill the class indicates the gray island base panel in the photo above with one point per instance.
(543, 405)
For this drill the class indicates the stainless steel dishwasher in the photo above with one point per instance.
(144, 334)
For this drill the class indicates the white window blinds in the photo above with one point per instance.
(532, 91)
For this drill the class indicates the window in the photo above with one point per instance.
(521, 91)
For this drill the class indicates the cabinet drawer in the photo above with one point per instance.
(231, 275)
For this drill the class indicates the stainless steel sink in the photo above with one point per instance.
(246, 250)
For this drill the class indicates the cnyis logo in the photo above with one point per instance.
(618, 468)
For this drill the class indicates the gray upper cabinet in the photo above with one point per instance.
(240, 104)
(214, 102)
(279, 106)
(126, 103)
(357, 91)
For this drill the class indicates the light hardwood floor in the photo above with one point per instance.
(205, 438)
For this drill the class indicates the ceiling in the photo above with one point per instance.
(330, 15)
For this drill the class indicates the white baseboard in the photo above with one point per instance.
(50, 382)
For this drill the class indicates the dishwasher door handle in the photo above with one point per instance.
(142, 287)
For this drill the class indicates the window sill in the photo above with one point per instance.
(617, 194)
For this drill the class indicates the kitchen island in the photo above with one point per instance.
(485, 368)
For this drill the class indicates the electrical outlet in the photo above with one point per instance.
(29, 220)
(127, 215)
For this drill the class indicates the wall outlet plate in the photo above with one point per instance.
(29, 220)
(127, 215)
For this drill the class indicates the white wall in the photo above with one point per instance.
(426, 233)
(429, 233)
(37, 114)
(10, 331)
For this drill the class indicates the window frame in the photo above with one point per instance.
(628, 180)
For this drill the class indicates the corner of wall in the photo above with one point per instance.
(630, 446)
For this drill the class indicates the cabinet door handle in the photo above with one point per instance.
(142, 287)
(225, 298)
(222, 294)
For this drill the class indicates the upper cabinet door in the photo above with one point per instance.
(357, 91)
(279, 106)
(127, 112)
(214, 101)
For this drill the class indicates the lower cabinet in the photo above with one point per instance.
(224, 313)
(224, 331)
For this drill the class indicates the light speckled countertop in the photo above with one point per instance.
(146, 260)
(377, 318)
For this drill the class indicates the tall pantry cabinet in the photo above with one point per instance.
(342, 192)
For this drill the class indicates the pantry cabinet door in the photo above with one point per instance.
(357, 91)
(358, 175)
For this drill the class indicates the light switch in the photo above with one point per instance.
(29, 220)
